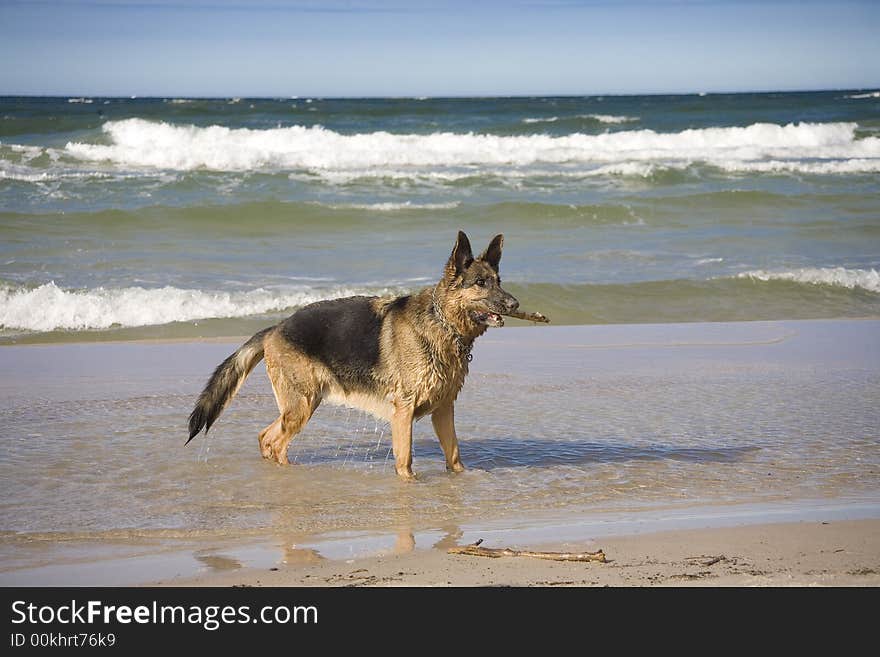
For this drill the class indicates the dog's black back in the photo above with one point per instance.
(343, 334)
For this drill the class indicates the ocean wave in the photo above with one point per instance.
(833, 166)
(715, 299)
(29, 152)
(20, 173)
(86, 101)
(608, 118)
(601, 118)
(725, 298)
(393, 207)
(871, 94)
(506, 176)
(49, 307)
(514, 177)
(866, 279)
(549, 119)
(810, 147)
(34, 175)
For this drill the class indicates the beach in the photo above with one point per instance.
(692, 441)
(707, 390)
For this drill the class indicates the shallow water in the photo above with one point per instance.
(555, 422)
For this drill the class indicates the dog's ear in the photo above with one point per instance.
(492, 255)
(461, 257)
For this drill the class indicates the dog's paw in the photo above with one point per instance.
(406, 474)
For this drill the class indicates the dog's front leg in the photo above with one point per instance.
(401, 438)
(443, 420)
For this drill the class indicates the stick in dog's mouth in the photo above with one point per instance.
(529, 317)
(490, 318)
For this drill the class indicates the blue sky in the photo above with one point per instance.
(400, 48)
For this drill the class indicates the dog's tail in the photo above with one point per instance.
(224, 383)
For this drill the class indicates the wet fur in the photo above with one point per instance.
(394, 357)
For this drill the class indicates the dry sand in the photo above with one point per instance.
(845, 553)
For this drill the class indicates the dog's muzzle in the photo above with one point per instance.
(494, 317)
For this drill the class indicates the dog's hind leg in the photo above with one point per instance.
(296, 407)
(268, 437)
(443, 420)
(275, 439)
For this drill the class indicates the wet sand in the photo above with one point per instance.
(669, 446)
(845, 553)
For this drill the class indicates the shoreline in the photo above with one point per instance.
(643, 549)
(815, 553)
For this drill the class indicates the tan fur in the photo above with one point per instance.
(424, 341)
(411, 384)
(297, 384)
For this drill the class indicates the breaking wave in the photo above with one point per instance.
(820, 148)
(49, 307)
(866, 279)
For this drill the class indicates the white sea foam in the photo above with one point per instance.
(27, 152)
(609, 118)
(807, 147)
(502, 175)
(637, 169)
(549, 119)
(872, 94)
(86, 101)
(16, 163)
(601, 118)
(393, 207)
(831, 166)
(24, 173)
(866, 279)
(49, 307)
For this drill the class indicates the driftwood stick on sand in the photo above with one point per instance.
(529, 317)
(475, 550)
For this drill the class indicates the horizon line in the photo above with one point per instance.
(432, 96)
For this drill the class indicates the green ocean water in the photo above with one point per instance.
(129, 218)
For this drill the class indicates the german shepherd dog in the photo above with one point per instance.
(399, 358)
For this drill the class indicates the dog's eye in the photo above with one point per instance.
(481, 282)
